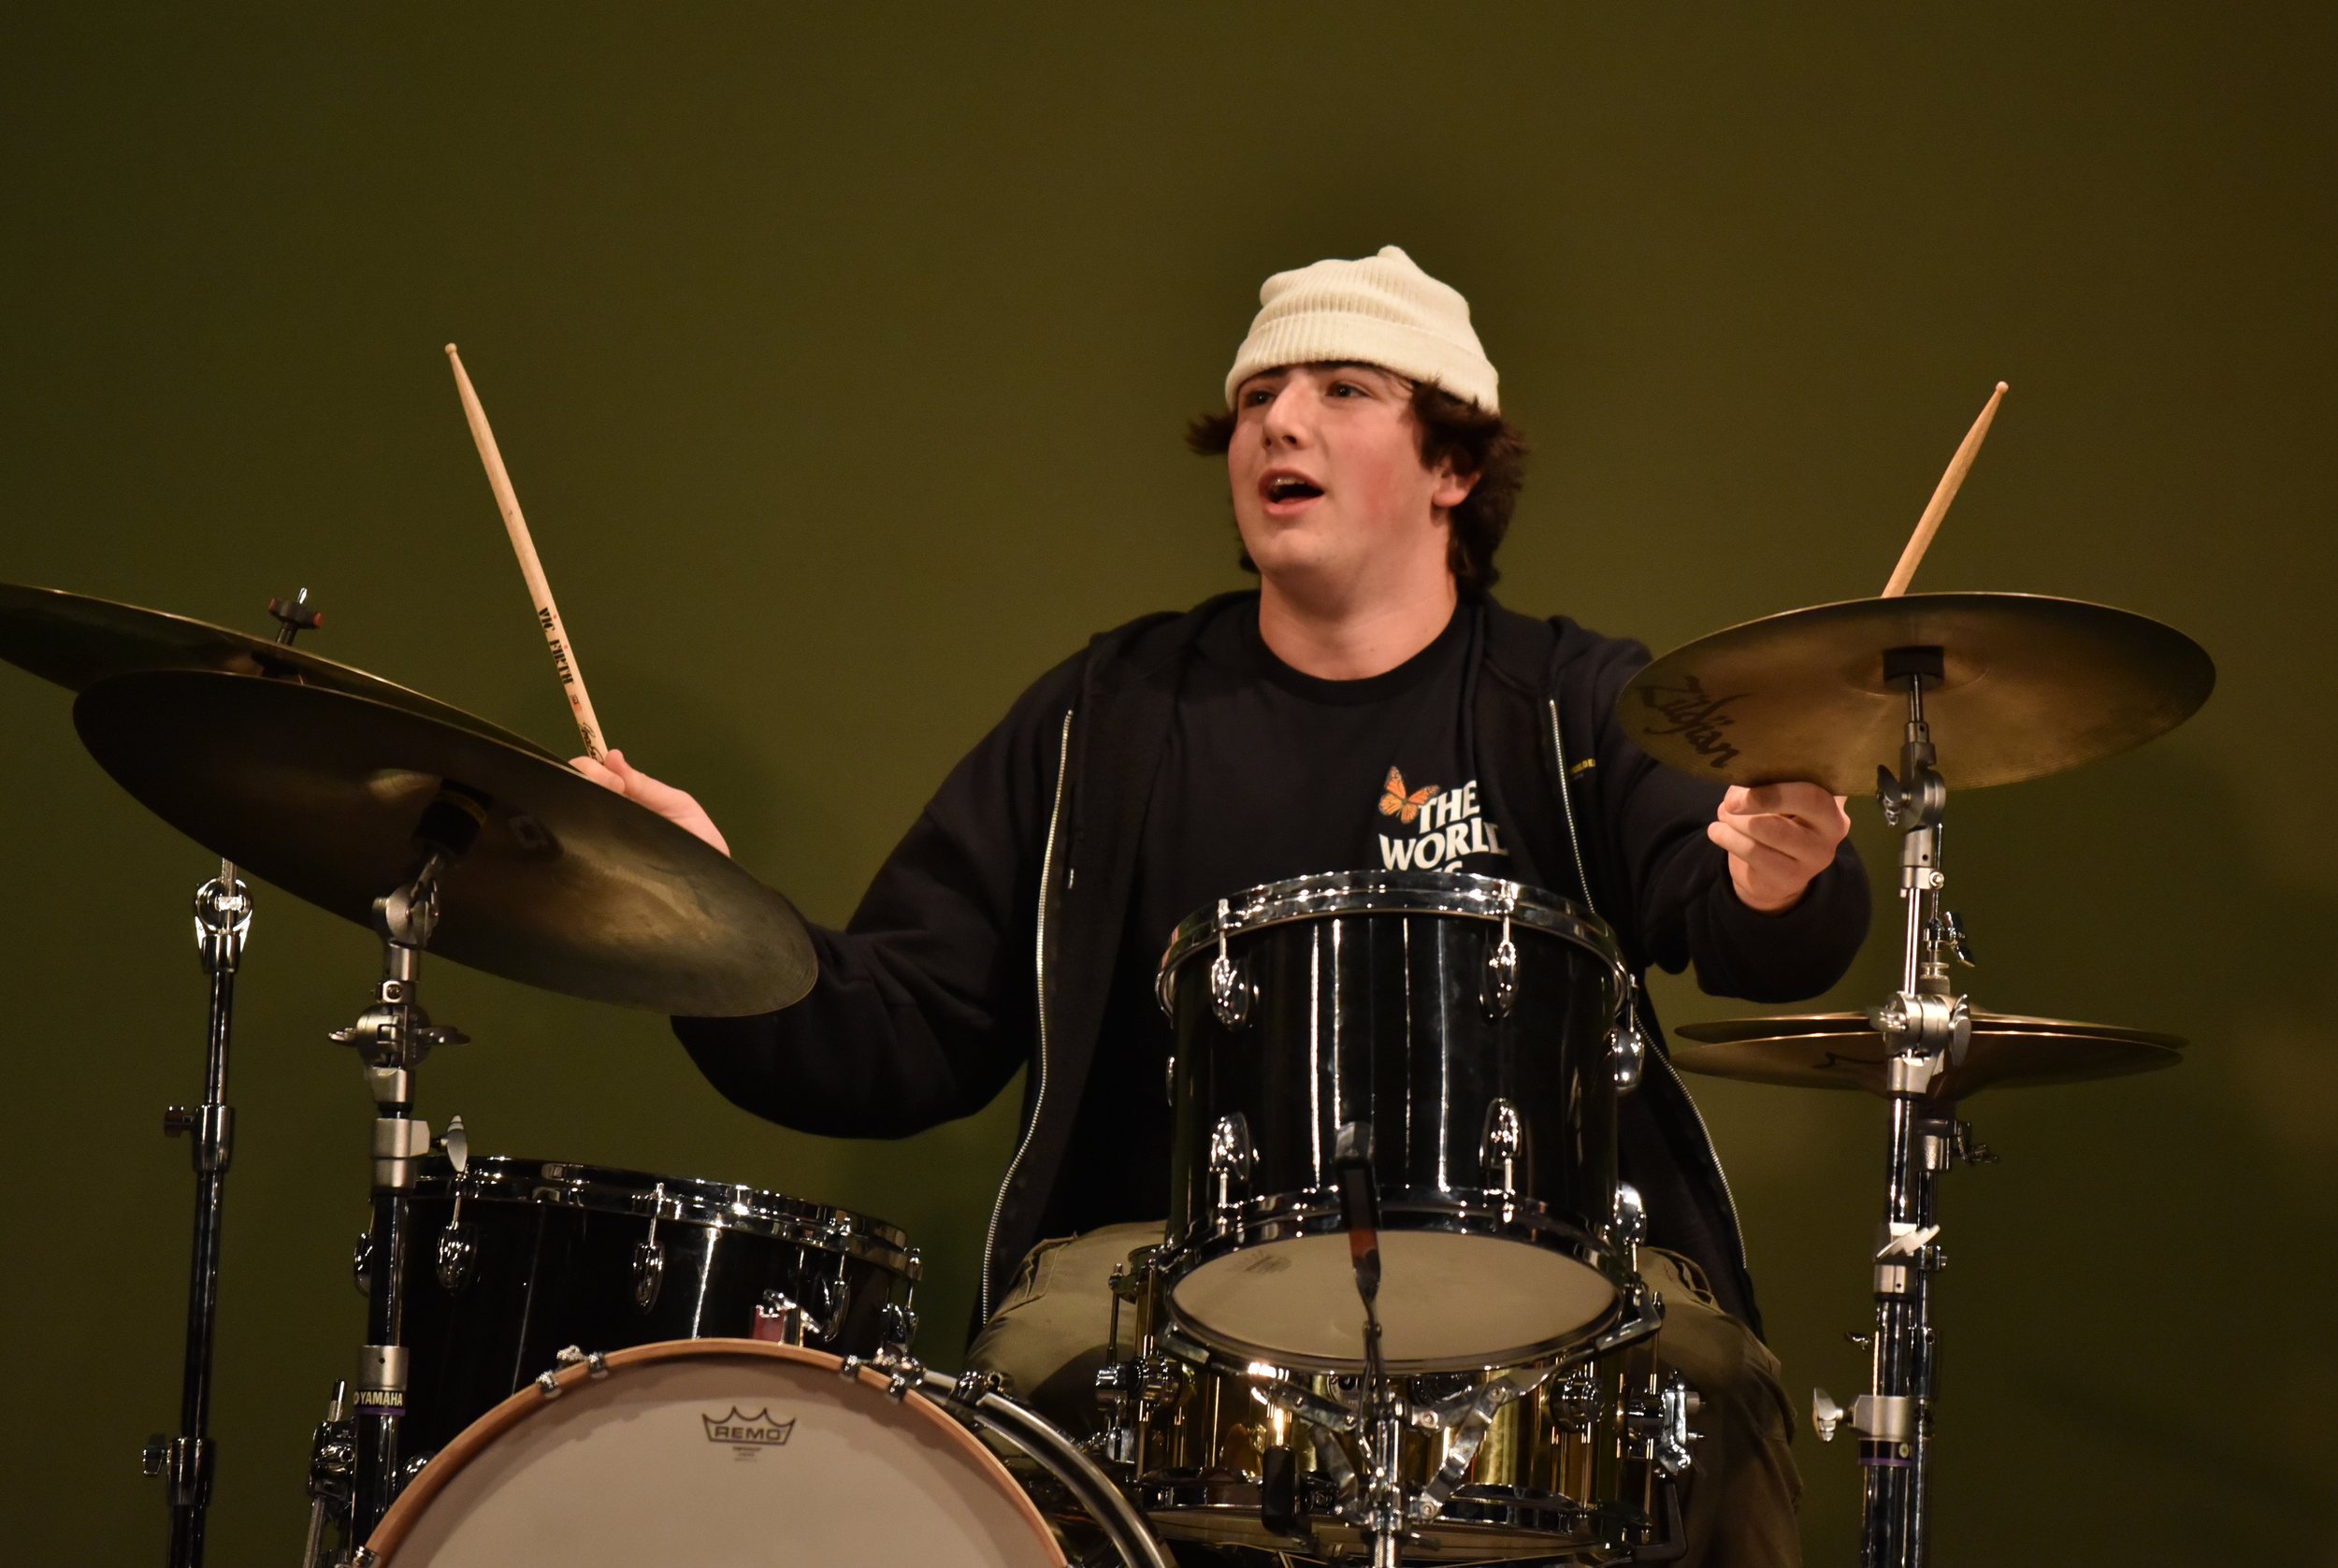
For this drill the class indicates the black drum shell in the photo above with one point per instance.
(553, 1265)
(1393, 1015)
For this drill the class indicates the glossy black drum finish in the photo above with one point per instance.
(1486, 1077)
(547, 1254)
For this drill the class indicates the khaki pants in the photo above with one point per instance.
(1047, 1337)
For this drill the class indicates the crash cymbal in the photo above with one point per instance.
(2031, 687)
(77, 641)
(1843, 1051)
(568, 886)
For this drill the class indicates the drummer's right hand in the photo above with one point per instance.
(677, 806)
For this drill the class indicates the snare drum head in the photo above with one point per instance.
(714, 1453)
(1445, 1300)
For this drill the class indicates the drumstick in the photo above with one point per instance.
(1930, 524)
(547, 612)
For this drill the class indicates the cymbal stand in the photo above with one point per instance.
(222, 920)
(1927, 1028)
(392, 1037)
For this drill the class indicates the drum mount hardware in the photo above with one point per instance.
(392, 1038)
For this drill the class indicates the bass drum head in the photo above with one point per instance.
(722, 1453)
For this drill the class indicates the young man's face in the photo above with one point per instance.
(1329, 489)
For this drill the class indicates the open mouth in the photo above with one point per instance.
(1289, 487)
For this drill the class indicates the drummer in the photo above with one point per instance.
(1368, 706)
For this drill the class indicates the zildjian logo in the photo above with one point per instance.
(739, 1427)
(1697, 716)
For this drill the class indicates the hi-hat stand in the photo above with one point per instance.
(222, 920)
(1926, 1027)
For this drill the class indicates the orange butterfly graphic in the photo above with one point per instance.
(1396, 803)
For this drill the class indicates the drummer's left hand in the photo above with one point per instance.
(1779, 837)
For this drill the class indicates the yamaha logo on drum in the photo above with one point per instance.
(750, 1430)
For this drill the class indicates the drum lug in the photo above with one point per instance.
(1231, 1158)
(1629, 1227)
(1503, 1145)
(332, 1476)
(898, 1325)
(458, 1244)
(1229, 993)
(1498, 992)
(649, 1274)
(794, 1321)
(649, 1257)
(1627, 1048)
(458, 1251)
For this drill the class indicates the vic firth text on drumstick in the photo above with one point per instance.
(547, 612)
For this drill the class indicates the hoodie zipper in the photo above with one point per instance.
(1039, 1098)
(1656, 1053)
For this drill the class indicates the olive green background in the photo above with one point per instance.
(839, 355)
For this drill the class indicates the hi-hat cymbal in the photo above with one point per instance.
(2031, 687)
(77, 641)
(1843, 1051)
(568, 886)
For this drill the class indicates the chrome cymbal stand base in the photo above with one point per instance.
(222, 919)
(392, 1038)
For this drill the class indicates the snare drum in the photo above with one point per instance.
(736, 1451)
(515, 1259)
(1558, 1464)
(1467, 1024)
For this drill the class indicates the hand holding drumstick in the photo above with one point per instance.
(607, 768)
(677, 806)
(1780, 837)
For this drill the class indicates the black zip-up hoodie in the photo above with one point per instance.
(987, 939)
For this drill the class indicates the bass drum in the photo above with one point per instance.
(738, 1452)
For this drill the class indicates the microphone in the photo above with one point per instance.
(1359, 1204)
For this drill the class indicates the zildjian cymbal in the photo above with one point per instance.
(77, 641)
(1843, 1050)
(2027, 686)
(568, 885)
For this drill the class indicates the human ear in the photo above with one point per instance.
(1453, 487)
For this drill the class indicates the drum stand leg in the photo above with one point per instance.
(1927, 1027)
(223, 916)
(392, 1037)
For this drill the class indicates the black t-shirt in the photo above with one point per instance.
(1268, 774)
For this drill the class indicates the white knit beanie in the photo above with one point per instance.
(1381, 311)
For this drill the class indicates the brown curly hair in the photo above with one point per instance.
(1476, 442)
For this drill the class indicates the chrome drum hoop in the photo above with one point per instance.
(1285, 1216)
(1464, 895)
(643, 1195)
